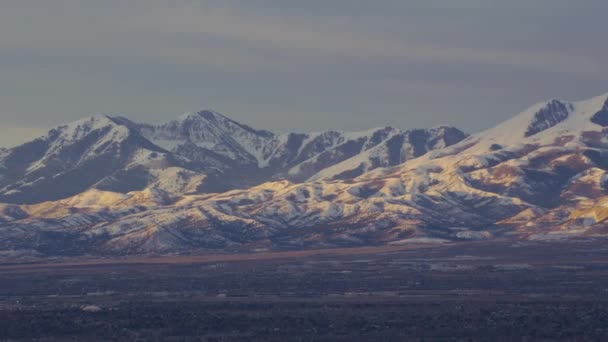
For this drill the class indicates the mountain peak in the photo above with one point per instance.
(211, 121)
(96, 119)
(444, 127)
(211, 115)
(79, 128)
(202, 114)
(123, 121)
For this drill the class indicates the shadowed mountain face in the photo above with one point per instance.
(203, 181)
(93, 152)
(554, 113)
(601, 117)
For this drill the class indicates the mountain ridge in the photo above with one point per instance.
(541, 175)
(201, 145)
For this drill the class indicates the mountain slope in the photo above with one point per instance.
(71, 159)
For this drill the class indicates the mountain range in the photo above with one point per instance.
(110, 186)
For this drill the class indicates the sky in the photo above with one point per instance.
(292, 65)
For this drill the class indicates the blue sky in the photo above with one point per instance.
(295, 65)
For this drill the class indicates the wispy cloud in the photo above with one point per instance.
(332, 37)
(240, 38)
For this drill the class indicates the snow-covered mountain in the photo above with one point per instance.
(238, 156)
(96, 152)
(540, 175)
(199, 152)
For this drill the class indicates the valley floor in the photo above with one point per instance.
(476, 291)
